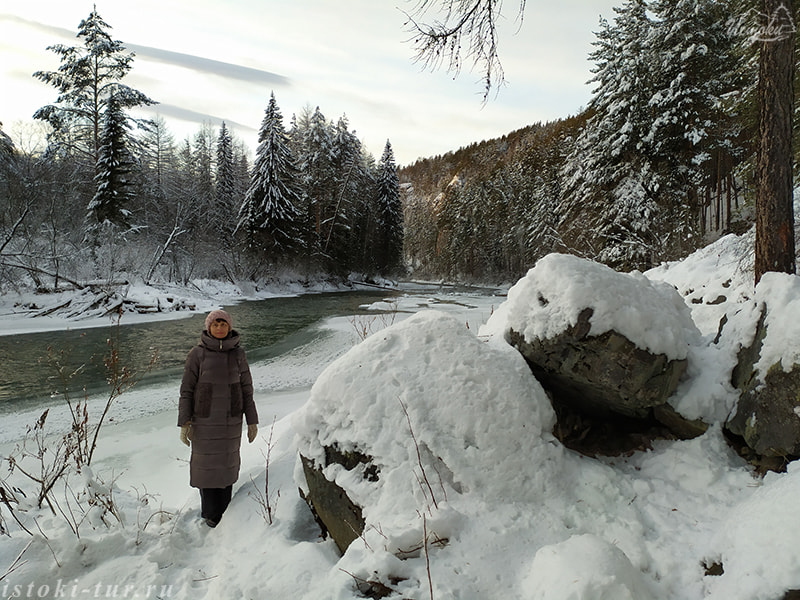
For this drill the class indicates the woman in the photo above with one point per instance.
(216, 391)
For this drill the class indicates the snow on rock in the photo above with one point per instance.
(716, 283)
(781, 293)
(586, 567)
(548, 300)
(716, 279)
(541, 526)
(475, 414)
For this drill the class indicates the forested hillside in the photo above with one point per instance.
(658, 164)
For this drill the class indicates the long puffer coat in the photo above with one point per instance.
(216, 390)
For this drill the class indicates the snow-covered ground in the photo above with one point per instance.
(519, 516)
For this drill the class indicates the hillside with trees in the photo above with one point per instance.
(661, 162)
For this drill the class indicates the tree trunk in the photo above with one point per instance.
(775, 246)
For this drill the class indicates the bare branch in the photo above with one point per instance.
(466, 30)
(16, 226)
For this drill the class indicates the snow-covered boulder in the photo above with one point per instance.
(767, 414)
(430, 412)
(598, 340)
(584, 567)
(756, 543)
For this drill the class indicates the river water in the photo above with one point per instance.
(29, 363)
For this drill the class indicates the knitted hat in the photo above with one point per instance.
(218, 314)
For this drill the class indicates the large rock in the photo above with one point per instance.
(413, 418)
(337, 515)
(600, 374)
(767, 415)
(604, 344)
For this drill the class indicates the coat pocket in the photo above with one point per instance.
(202, 400)
(237, 404)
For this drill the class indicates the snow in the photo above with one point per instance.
(613, 578)
(782, 294)
(651, 314)
(508, 511)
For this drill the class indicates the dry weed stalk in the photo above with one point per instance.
(424, 480)
(267, 504)
(363, 324)
(47, 460)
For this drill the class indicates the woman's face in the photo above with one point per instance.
(219, 329)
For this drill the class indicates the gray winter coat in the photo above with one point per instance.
(217, 389)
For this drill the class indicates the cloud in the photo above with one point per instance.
(209, 66)
(187, 61)
(192, 116)
(49, 29)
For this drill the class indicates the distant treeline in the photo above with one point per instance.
(115, 197)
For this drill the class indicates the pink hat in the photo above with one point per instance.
(218, 314)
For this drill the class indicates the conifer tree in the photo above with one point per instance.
(269, 214)
(87, 78)
(775, 227)
(165, 209)
(114, 167)
(611, 165)
(694, 142)
(226, 206)
(203, 151)
(313, 137)
(158, 160)
(389, 241)
(364, 210)
(347, 165)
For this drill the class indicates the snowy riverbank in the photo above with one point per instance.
(28, 312)
(639, 527)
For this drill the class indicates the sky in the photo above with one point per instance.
(208, 61)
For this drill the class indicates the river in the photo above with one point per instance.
(37, 369)
(30, 372)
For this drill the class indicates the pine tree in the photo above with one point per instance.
(165, 209)
(389, 242)
(88, 77)
(347, 165)
(226, 204)
(158, 160)
(694, 142)
(114, 166)
(241, 171)
(610, 166)
(364, 211)
(203, 150)
(313, 138)
(269, 213)
(775, 233)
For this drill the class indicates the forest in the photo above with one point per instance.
(112, 197)
(661, 161)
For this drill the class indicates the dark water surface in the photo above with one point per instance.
(29, 373)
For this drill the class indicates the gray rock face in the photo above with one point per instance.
(335, 512)
(600, 374)
(768, 412)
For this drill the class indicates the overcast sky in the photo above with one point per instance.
(214, 60)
